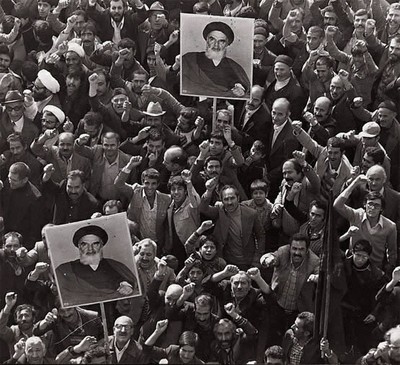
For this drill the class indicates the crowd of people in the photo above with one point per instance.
(226, 200)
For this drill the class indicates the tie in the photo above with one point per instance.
(275, 136)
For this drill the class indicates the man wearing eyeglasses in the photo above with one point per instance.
(14, 120)
(92, 278)
(372, 225)
(123, 348)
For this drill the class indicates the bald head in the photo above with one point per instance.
(376, 176)
(123, 330)
(336, 87)
(280, 111)
(322, 108)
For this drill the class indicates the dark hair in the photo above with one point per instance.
(318, 30)
(203, 239)
(375, 195)
(77, 73)
(336, 142)
(259, 185)
(156, 134)
(74, 174)
(296, 165)
(127, 43)
(300, 237)
(112, 204)
(325, 60)
(7, 51)
(17, 137)
(30, 70)
(93, 119)
(201, 7)
(274, 352)
(89, 26)
(308, 322)
(259, 147)
(43, 31)
(52, 3)
(22, 307)
(376, 153)
(219, 136)
(140, 72)
(226, 187)
(212, 158)
(80, 12)
(176, 181)
(319, 204)
(224, 322)
(150, 174)
(362, 245)
(188, 338)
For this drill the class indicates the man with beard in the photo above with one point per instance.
(24, 316)
(62, 157)
(211, 73)
(296, 270)
(332, 165)
(13, 120)
(300, 185)
(93, 278)
(18, 152)
(45, 92)
(117, 21)
(69, 199)
(322, 125)
(389, 26)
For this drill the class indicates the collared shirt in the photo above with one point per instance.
(18, 125)
(110, 172)
(148, 218)
(288, 300)
(296, 352)
(375, 229)
(64, 164)
(117, 30)
(277, 130)
(120, 353)
(248, 115)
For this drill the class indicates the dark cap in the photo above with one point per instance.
(387, 104)
(221, 27)
(119, 91)
(95, 230)
(13, 96)
(284, 59)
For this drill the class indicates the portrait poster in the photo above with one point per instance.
(216, 56)
(93, 261)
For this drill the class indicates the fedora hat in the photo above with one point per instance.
(157, 6)
(13, 96)
(154, 109)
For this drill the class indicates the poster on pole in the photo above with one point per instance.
(216, 56)
(93, 261)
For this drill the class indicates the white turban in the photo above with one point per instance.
(58, 113)
(48, 81)
(77, 48)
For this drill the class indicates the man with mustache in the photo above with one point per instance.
(211, 72)
(93, 278)
(296, 270)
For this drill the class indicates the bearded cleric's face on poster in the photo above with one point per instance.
(217, 60)
(93, 260)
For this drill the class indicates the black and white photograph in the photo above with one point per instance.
(93, 261)
(216, 56)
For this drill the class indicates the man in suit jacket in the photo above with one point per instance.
(117, 21)
(21, 205)
(144, 199)
(63, 157)
(254, 122)
(281, 143)
(107, 161)
(123, 348)
(239, 234)
(13, 120)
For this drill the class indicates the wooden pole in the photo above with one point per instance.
(105, 332)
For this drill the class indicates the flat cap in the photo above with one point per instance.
(388, 104)
(221, 27)
(94, 230)
(284, 59)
